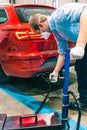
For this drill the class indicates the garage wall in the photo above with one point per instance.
(55, 3)
(4, 1)
(83, 1)
(45, 2)
(61, 2)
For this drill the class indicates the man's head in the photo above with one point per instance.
(39, 23)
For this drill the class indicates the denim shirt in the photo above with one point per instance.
(65, 24)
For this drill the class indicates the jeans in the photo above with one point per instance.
(81, 71)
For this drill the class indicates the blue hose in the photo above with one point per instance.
(65, 97)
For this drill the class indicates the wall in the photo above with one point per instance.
(55, 3)
(45, 2)
(4, 1)
(83, 1)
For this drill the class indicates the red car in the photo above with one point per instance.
(22, 52)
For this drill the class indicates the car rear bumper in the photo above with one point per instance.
(28, 64)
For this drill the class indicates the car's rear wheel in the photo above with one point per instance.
(3, 77)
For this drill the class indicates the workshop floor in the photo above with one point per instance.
(12, 105)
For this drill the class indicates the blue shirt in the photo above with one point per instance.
(65, 24)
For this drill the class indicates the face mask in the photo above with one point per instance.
(45, 35)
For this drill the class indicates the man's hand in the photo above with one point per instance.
(77, 52)
(53, 76)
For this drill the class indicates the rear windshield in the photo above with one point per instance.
(24, 13)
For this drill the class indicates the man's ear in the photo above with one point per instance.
(40, 25)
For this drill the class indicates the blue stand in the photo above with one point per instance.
(65, 98)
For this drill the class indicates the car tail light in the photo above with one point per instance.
(26, 121)
(24, 35)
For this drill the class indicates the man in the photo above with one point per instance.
(68, 23)
(81, 71)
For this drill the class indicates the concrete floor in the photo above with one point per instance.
(11, 106)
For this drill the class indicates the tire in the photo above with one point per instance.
(3, 77)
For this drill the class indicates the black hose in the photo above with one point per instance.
(47, 80)
(79, 109)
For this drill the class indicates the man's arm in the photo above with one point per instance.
(78, 51)
(62, 46)
(60, 63)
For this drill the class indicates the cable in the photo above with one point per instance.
(44, 76)
(79, 109)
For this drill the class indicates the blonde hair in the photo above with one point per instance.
(36, 19)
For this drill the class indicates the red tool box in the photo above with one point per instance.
(48, 121)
